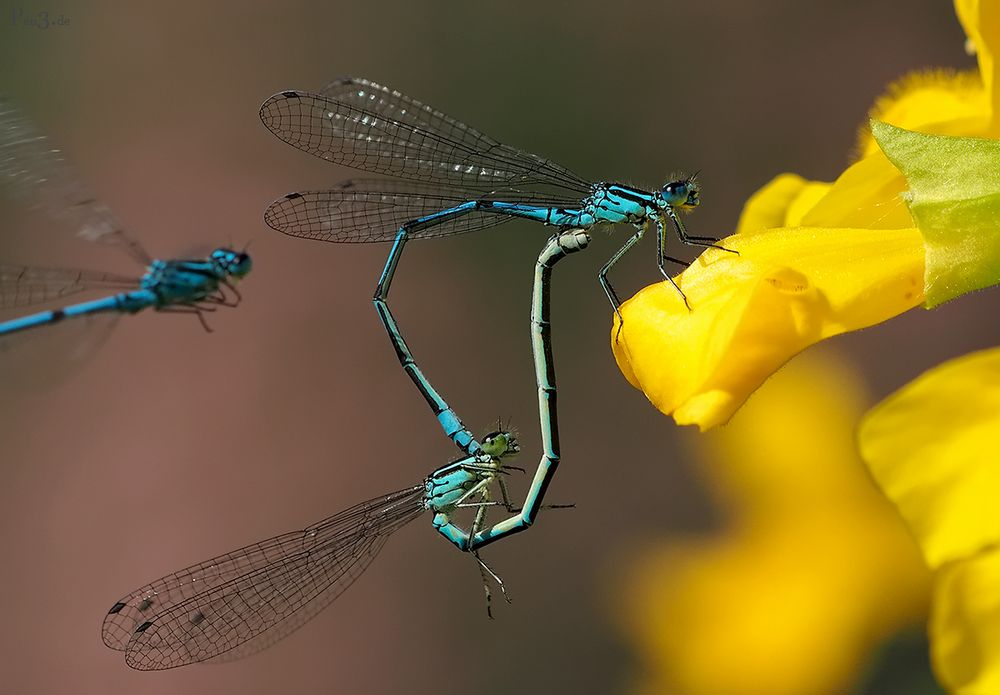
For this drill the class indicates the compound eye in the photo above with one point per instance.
(676, 192)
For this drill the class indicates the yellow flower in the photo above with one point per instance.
(933, 448)
(756, 310)
(812, 572)
(817, 259)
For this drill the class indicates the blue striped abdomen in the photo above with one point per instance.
(126, 302)
(557, 217)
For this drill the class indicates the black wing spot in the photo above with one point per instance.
(145, 626)
(291, 94)
(116, 608)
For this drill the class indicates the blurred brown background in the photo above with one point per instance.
(171, 445)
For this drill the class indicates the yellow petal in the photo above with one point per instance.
(766, 208)
(965, 626)
(933, 448)
(981, 21)
(938, 101)
(788, 289)
(869, 192)
(781, 202)
(812, 193)
(866, 195)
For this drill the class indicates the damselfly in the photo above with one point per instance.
(238, 603)
(244, 601)
(460, 180)
(32, 169)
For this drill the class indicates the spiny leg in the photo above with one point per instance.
(485, 571)
(661, 259)
(220, 298)
(190, 309)
(572, 505)
(201, 317)
(236, 292)
(707, 242)
(505, 501)
(477, 505)
(479, 487)
(450, 422)
(505, 496)
(476, 525)
(509, 506)
(602, 276)
(216, 299)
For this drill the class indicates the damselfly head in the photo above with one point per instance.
(682, 193)
(232, 263)
(500, 444)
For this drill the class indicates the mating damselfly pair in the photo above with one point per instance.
(460, 180)
(456, 180)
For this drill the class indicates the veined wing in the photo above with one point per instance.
(33, 170)
(23, 285)
(364, 125)
(372, 210)
(242, 600)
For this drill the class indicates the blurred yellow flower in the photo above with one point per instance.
(812, 572)
(932, 447)
(817, 259)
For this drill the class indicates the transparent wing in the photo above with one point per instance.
(372, 210)
(252, 597)
(34, 360)
(33, 170)
(23, 285)
(364, 125)
(363, 555)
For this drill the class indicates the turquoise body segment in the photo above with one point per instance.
(545, 378)
(453, 427)
(119, 302)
